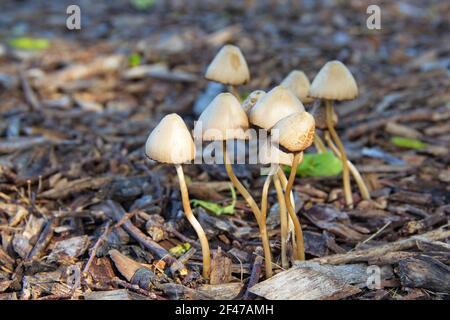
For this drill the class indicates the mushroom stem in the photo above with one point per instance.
(290, 208)
(253, 206)
(234, 91)
(263, 225)
(284, 182)
(345, 170)
(355, 173)
(318, 143)
(194, 222)
(283, 220)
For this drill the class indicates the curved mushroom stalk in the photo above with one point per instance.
(345, 169)
(255, 209)
(194, 222)
(297, 226)
(283, 219)
(355, 173)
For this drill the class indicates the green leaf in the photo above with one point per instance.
(26, 43)
(134, 59)
(318, 165)
(408, 143)
(216, 208)
(180, 249)
(142, 4)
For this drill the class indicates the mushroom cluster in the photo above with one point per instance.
(281, 116)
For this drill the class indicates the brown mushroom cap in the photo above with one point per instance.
(295, 132)
(228, 67)
(170, 141)
(252, 99)
(299, 84)
(334, 82)
(273, 155)
(320, 116)
(222, 119)
(275, 105)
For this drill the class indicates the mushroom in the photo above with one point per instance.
(275, 105)
(229, 67)
(270, 154)
(252, 99)
(171, 142)
(295, 133)
(222, 120)
(335, 82)
(299, 84)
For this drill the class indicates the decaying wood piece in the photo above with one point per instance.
(224, 291)
(372, 253)
(300, 283)
(76, 186)
(425, 272)
(220, 268)
(120, 294)
(6, 261)
(72, 247)
(255, 273)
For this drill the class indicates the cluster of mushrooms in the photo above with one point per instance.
(292, 130)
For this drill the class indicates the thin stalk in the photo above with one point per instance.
(283, 221)
(254, 207)
(355, 173)
(234, 91)
(194, 222)
(291, 228)
(318, 143)
(345, 170)
(290, 208)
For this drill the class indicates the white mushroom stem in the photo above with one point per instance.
(234, 91)
(284, 182)
(290, 208)
(283, 220)
(365, 194)
(194, 222)
(340, 146)
(255, 209)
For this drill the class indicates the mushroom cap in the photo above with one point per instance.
(320, 116)
(170, 141)
(299, 84)
(275, 105)
(269, 153)
(334, 82)
(222, 119)
(228, 67)
(295, 132)
(252, 99)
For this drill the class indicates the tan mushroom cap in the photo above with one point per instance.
(228, 67)
(295, 132)
(170, 141)
(273, 155)
(252, 99)
(320, 116)
(222, 119)
(275, 105)
(299, 84)
(334, 82)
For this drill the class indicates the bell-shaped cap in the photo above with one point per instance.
(170, 141)
(252, 99)
(269, 153)
(222, 119)
(299, 84)
(334, 82)
(275, 105)
(295, 132)
(228, 67)
(320, 116)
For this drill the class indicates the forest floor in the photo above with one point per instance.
(78, 195)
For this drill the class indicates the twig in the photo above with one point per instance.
(95, 247)
(371, 253)
(30, 96)
(255, 274)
